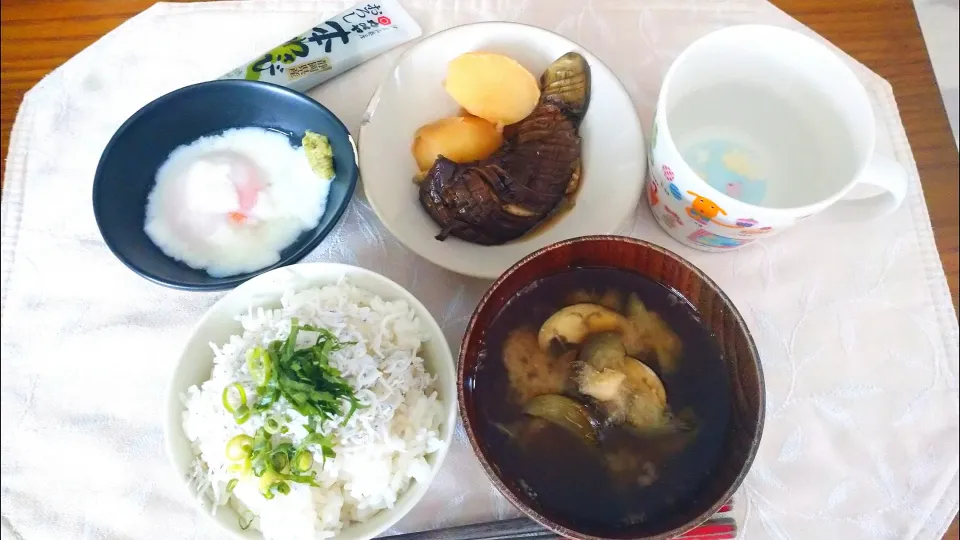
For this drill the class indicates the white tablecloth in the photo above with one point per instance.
(854, 321)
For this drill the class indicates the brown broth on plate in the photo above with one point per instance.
(626, 479)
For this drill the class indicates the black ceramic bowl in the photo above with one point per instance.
(130, 161)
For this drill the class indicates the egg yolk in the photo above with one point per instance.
(225, 183)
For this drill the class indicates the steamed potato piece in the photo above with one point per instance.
(460, 139)
(531, 371)
(492, 86)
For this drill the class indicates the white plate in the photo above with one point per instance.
(219, 323)
(614, 157)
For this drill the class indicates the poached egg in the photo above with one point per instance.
(230, 203)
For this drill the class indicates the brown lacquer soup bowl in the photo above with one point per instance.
(610, 389)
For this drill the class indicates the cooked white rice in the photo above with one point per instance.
(380, 450)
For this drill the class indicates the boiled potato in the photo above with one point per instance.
(492, 86)
(460, 139)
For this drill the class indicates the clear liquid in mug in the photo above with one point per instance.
(762, 147)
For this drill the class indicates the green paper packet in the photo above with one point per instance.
(332, 47)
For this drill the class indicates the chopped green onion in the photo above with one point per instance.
(279, 460)
(268, 479)
(313, 387)
(272, 425)
(286, 447)
(260, 365)
(231, 484)
(242, 414)
(318, 438)
(241, 400)
(246, 525)
(244, 467)
(302, 460)
(261, 450)
(239, 447)
(324, 441)
(261, 438)
(310, 479)
(259, 468)
(267, 482)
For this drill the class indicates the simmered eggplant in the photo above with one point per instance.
(501, 198)
(572, 324)
(566, 413)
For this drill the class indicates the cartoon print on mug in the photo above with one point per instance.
(748, 227)
(761, 161)
(652, 193)
(708, 239)
(755, 232)
(668, 175)
(703, 210)
(670, 218)
(729, 169)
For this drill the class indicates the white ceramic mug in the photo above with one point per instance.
(758, 127)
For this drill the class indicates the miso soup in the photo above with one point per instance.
(602, 397)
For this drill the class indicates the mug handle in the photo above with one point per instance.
(883, 174)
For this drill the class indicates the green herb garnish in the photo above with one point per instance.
(304, 377)
(317, 390)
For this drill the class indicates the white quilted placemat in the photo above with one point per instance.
(854, 321)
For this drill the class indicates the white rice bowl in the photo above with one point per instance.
(400, 366)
